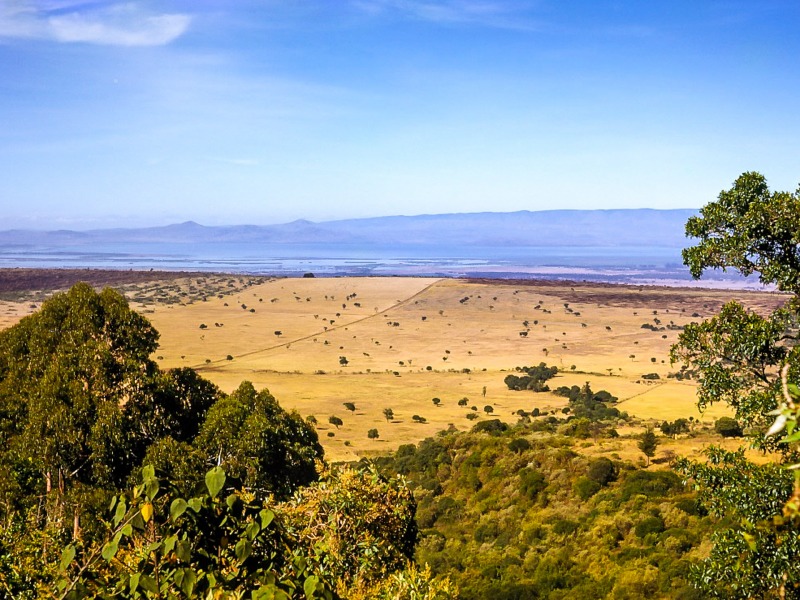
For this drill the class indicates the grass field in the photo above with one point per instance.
(400, 342)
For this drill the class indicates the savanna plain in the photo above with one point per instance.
(352, 347)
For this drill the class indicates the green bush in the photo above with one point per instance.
(531, 482)
(565, 527)
(492, 426)
(650, 483)
(652, 524)
(728, 427)
(519, 445)
(602, 470)
(585, 488)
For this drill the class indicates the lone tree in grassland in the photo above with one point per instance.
(349, 406)
(488, 409)
(388, 413)
(373, 434)
(464, 401)
(648, 444)
(335, 421)
(436, 401)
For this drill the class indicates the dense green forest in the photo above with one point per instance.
(120, 480)
(523, 513)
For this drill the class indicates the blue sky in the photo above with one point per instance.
(265, 111)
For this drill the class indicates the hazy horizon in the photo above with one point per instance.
(187, 222)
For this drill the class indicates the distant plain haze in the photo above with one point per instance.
(144, 113)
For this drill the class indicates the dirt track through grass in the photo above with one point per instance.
(322, 332)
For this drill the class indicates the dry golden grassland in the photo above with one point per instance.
(409, 340)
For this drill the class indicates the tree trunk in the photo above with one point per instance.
(76, 525)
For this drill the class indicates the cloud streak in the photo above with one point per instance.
(497, 14)
(118, 25)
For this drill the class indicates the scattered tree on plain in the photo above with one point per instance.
(648, 444)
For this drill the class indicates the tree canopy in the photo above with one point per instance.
(747, 360)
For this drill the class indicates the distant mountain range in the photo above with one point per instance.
(581, 228)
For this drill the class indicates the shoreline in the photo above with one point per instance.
(27, 279)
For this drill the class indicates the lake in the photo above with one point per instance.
(631, 264)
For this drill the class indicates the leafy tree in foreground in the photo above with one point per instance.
(216, 544)
(739, 356)
(350, 535)
(82, 405)
(363, 521)
(264, 447)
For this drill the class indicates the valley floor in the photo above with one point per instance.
(398, 343)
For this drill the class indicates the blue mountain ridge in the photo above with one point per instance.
(581, 228)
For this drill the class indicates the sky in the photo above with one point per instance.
(265, 111)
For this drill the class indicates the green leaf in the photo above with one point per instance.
(177, 508)
(266, 517)
(151, 487)
(184, 551)
(119, 514)
(169, 544)
(138, 522)
(110, 550)
(148, 583)
(264, 593)
(233, 501)
(243, 549)
(195, 504)
(66, 557)
(215, 480)
(252, 530)
(310, 586)
(188, 581)
(133, 582)
(300, 564)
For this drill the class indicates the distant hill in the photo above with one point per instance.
(618, 227)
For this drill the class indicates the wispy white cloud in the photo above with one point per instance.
(510, 15)
(69, 22)
(240, 162)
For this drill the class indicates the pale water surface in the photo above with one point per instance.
(652, 265)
